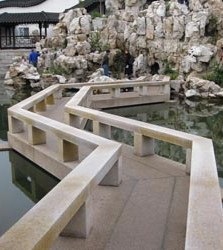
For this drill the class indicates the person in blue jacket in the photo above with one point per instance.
(33, 57)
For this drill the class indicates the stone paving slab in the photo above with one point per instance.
(108, 204)
(176, 224)
(142, 224)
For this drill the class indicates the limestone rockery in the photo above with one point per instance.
(185, 36)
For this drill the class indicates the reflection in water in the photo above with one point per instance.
(3, 122)
(200, 118)
(21, 187)
(22, 183)
(29, 178)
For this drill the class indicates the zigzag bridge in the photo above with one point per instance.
(144, 201)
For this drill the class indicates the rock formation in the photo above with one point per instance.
(159, 34)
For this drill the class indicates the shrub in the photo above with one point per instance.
(96, 44)
(173, 74)
(95, 14)
(95, 41)
(216, 74)
(58, 70)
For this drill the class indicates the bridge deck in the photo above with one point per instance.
(147, 211)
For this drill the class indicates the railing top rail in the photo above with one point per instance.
(62, 130)
(35, 233)
(115, 83)
(154, 131)
(40, 96)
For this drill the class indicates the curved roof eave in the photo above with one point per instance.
(31, 17)
(20, 3)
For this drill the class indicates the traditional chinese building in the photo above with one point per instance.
(24, 22)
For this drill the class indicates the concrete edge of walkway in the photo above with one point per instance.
(4, 146)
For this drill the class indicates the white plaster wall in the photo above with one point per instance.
(47, 6)
(34, 27)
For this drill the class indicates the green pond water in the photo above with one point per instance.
(204, 118)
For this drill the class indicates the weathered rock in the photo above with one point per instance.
(195, 86)
(191, 93)
(157, 33)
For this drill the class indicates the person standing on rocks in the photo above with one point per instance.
(33, 57)
(105, 63)
(129, 60)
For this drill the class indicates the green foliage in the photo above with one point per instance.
(58, 70)
(96, 44)
(81, 4)
(105, 47)
(95, 14)
(167, 3)
(65, 43)
(119, 64)
(95, 41)
(216, 74)
(173, 74)
(211, 29)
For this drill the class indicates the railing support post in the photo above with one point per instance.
(67, 151)
(50, 100)
(115, 92)
(113, 177)
(143, 90)
(36, 136)
(188, 160)
(81, 224)
(143, 145)
(72, 120)
(166, 90)
(41, 106)
(101, 129)
(15, 125)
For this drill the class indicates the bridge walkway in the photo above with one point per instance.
(147, 211)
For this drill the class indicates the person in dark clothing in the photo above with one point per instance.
(186, 2)
(221, 55)
(33, 57)
(105, 63)
(129, 60)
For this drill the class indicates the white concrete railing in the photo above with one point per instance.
(47, 219)
(204, 221)
(204, 218)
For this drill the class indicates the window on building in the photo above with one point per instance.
(23, 31)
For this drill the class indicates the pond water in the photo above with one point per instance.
(22, 183)
(202, 118)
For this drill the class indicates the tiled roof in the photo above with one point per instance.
(86, 4)
(20, 3)
(19, 18)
